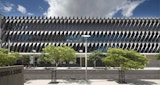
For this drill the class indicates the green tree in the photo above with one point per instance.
(58, 54)
(95, 56)
(3, 59)
(24, 59)
(7, 58)
(68, 54)
(12, 57)
(125, 59)
(43, 59)
(158, 56)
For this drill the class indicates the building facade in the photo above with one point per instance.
(24, 34)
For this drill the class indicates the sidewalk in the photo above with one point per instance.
(88, 68)
(94, 82)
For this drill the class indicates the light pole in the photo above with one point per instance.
(86, 44)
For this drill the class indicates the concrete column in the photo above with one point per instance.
(80, 61)
(80, 57)
(1, 30)
(31, 59)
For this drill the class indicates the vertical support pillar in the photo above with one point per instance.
(1, 30)
(80, 57)
(31, 59)
(80, 61)
(145, 57)
(8, 46)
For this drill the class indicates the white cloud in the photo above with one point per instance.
(102, 8)
(128, 9)
(22, 9)
(30, 14)
(6, 7)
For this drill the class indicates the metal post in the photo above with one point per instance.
(86, 44)
(86, 60)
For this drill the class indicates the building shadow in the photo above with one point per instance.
(141, 82)
(27, 81)
(135, 82)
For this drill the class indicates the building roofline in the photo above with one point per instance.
(75, 18)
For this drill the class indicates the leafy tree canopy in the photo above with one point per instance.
(7, 58)
(58, 54)
(95, 55)
(43, 58)
(24, 58)
(126, 59)
(68, 54)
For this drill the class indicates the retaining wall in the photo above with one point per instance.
(12, 75)
(92, 74)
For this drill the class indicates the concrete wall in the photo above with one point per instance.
(92, 74)
(12, 75)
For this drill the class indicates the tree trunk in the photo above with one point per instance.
(54, 81)
(55, 73)
(67, 63)
(121, 76)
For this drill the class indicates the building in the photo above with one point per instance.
(25, 34)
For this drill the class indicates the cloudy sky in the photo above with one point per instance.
(92, 8)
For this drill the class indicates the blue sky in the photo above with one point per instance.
(92, 8)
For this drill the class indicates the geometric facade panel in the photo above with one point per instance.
(28, 33)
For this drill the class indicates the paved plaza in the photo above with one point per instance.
(94, 82)
(90, 81)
